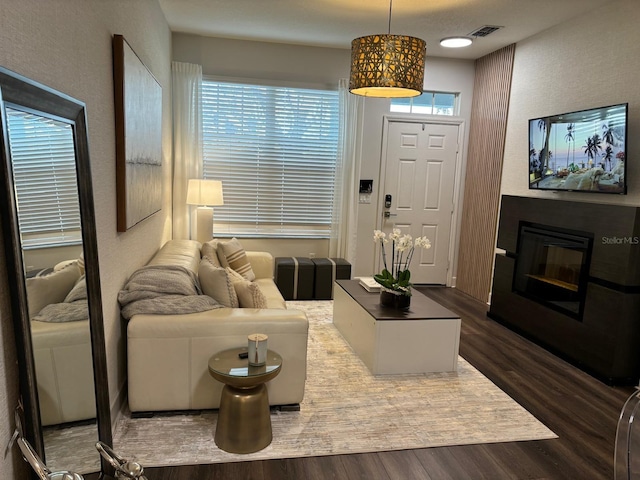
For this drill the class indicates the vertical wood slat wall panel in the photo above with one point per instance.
(491, 93)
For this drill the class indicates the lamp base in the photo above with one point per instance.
(203, 224)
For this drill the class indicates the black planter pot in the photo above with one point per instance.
(391, 300)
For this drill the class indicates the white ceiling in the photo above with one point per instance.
(334, 23)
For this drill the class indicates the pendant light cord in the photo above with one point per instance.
(390, 5)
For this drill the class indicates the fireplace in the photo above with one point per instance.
(567, 276)
(552, 267)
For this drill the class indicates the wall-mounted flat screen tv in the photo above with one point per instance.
(582, 151)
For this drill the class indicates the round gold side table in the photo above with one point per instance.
(244, 420)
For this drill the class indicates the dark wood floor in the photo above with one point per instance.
(582, 411)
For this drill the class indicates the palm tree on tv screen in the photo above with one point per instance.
(594, 144)
(608, 155)
(588, 148)
(543, 125)
(532, 158)
(608, 135)
(570, 137)
(597, 145)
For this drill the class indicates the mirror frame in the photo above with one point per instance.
(23, 92)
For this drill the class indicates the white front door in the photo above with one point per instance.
(418, 171)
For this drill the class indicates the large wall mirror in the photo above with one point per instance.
(52, 262)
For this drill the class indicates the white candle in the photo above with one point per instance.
(257, 348)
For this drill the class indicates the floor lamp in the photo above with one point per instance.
(206, 194)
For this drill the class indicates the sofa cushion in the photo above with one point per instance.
(210, 251)
(249, 294)
(236, 258)
(62, 357)
(271, 293)
(51, 288)
(261, 264)
(184, 253)
(215, 282)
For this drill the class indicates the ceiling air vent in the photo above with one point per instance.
(484, 31)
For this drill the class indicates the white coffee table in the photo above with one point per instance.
(424, 339)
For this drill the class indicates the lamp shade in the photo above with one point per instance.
(204, 192)
(387, 66)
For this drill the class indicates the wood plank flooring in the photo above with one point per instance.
(582, 411)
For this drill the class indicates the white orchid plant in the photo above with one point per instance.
(402, 247)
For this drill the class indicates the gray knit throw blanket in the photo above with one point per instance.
(73, 309)
(163, 290)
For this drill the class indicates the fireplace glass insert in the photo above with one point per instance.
(552, 267)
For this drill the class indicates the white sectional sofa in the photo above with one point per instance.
(64, 371)
(61, 349)
(168, 355)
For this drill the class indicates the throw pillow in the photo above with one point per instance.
(51, 288)
(210, 250)
(237, 258)
(215, 283)
(81, 263)
(249, 293)
(78, 292)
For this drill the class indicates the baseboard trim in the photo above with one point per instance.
(119, 407)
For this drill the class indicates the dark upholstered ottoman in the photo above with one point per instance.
(294, 277)
(328, 270)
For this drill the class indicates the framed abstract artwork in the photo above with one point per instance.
(138, 110)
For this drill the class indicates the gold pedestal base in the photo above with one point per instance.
(244, 421)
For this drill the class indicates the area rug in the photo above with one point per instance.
(347, 410)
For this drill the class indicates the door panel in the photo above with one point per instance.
(427, 258)
(404, 187)
(432, 186)
(419, 167)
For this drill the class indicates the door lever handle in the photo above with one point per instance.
(389, 214)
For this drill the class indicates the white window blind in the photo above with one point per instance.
(44, 171)
(274, 148)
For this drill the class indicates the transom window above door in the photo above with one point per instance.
(429, 103)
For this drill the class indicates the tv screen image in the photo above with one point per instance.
(580, 151)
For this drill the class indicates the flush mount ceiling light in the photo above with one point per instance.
(456, 42)
(386, 65)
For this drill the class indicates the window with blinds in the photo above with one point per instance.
(44, 171)
(275, 149)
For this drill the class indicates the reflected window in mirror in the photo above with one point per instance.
(44, 169)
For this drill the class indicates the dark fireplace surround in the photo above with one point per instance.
(570, 281)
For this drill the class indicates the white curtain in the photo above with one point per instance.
(187, 140)
(345, 209)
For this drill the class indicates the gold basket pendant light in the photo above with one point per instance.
(387, 65)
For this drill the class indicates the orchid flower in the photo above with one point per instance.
(398, 279)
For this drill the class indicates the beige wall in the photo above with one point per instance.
(588, 62)
(223, 57)
(66, 44)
